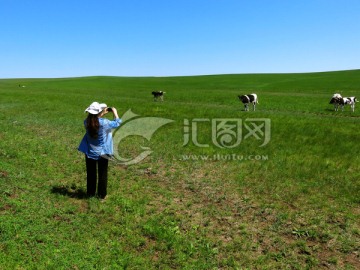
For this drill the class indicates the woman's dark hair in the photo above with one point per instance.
(92, 125)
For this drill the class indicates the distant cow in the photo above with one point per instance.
(340, 101)
(247, 99)
(158, 95)
(336, 100)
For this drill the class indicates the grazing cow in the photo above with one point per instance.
(336, 100)
(158, 95)
(247, 99)
(348, 101)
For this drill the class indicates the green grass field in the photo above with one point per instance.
(296, 207)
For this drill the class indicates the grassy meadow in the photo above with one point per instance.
(291, 204)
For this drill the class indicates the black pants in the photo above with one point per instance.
(96, 169)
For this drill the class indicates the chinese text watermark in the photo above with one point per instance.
(228, 132)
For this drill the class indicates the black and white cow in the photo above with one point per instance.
(158, 95)
(336, 100)
(348, 101)
(340, 101)
(247, 99)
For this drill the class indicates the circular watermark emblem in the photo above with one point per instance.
(134, 125)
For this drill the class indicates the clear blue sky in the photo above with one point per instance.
(70, 38)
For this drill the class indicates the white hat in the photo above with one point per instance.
(96, 108)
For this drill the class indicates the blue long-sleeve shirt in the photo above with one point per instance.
(103, 144)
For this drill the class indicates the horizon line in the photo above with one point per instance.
(173, 76)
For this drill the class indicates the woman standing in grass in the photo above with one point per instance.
(97, 145)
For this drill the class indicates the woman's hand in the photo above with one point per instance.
(115, 112)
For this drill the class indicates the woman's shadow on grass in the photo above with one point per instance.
(71, 192)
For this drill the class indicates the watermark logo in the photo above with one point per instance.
(136, 126)
(228, 132)
(258, 128)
